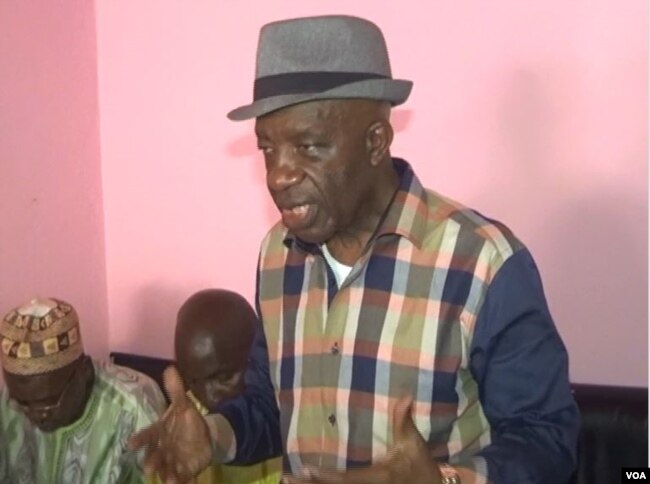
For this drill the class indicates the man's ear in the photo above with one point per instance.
(378, 140)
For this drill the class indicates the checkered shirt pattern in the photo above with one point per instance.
(401, 323)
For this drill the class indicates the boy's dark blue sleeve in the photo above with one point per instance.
(254, 415)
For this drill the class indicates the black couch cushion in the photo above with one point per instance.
(149, 365)
(614, 432)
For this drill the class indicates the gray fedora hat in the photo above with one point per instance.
(327, 57)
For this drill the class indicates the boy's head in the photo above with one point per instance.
(214, 332)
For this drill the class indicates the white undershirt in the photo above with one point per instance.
(340, 271)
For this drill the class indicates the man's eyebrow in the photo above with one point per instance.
(311, 131)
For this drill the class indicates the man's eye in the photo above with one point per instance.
(308, 148)
(267, 150)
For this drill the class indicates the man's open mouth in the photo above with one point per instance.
(298, 216)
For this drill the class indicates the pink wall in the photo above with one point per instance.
(51, 218)
(532, 112)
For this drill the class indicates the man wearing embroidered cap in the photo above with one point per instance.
(65, 418)
(403, 337)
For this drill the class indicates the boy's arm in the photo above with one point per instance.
(246, 429)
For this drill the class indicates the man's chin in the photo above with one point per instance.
(48, 427)
(314, 235)
(53, 425)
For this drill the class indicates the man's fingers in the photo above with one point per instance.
(179, 469)
(185, 471)
(147, 437)
(195, 465)
(171, 479)
(152, 463)
(174, 387)
(403, 426)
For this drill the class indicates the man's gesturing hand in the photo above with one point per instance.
(178, 446)
(408, 460)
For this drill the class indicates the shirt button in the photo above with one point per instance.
(335, 349)
(332, 419)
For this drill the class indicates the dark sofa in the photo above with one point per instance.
(614, 432)
(614, 423)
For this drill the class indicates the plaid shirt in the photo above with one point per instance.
(444, 305)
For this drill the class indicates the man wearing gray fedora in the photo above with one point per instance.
(403, 338)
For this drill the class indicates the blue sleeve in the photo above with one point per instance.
(254, 416)
(521, 366)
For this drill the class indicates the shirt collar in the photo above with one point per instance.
(406, 215)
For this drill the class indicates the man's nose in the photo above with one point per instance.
(283, 174)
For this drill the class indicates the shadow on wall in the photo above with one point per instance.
(400, 119)
(154, 309)
(593, 250)
(246, 147)
(601, 303)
